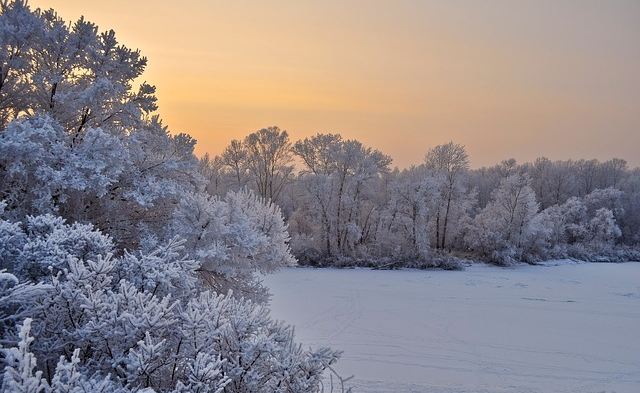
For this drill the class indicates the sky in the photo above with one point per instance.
(507, 79)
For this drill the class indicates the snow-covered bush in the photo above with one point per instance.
(21, 374)
(580, 228)
(142, 321)
(45, 244)
(235, 238)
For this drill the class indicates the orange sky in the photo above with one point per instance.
(522, 79)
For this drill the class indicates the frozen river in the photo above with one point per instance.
(565, 328)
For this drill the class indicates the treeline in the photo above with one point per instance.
(345, 205)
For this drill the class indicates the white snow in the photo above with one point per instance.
(562, 328)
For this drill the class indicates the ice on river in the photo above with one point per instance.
(562, 328)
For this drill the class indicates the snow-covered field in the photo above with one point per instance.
(564, 328)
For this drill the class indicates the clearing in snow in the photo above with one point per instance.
(554, 328)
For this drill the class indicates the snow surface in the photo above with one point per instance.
(554, 328)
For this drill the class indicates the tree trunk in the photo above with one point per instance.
(446, 219)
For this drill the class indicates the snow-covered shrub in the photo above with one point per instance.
(21, 374)
(52, 242)
(234, 238)
(580, 228)
(46, 243)
(16, 301)
(143, 321)
(12, 240)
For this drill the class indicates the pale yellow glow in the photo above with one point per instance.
(506, 78)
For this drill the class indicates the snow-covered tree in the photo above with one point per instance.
(234, 158)
(262, 161)
(123, 185)
(450, 162)
(339, 185)
(234, 238)
(630, 219)
(77, 134)
(414, 197)
(40, 171)
(20, 31)
(72, 72)
(603, 227)
(500, 230)
(583, 228)
(269, 160)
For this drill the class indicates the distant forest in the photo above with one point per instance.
(346, 206)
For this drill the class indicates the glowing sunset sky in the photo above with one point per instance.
(506, 78)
